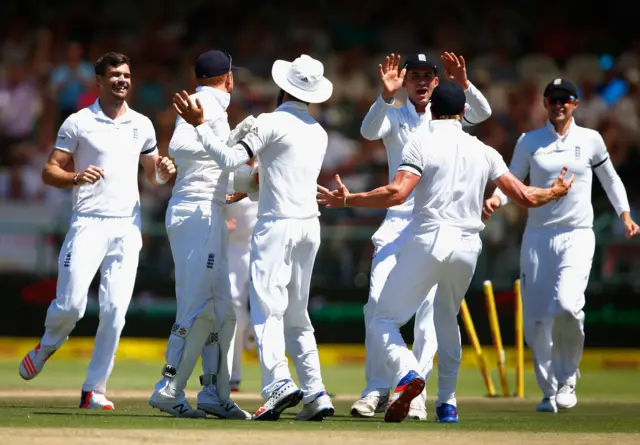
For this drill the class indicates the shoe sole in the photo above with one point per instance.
(219, 416)
(320, 415)
(288, 402)
(164, 410)
(356, 413)
(567, 406)
(399, 408)
(447, 420)
(29, 367)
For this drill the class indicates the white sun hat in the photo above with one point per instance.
(303, 78)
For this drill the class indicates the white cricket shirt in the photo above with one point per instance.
(113, 145)
(290, 146)
(199, 178)
(454, 168)
(396, 126)
(541, 154)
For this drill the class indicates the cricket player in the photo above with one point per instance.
(290, 147)
(197, 230)
(241, 219)
(395, 126)
(104, 142)
(448, 169)
(558, 243)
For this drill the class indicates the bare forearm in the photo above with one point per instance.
(380, 198)
(56, 176)
(536, 197)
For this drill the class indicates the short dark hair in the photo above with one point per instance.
(280, 98)
(110, 59)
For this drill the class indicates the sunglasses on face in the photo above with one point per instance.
(560, 99)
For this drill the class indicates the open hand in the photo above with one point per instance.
(391, 76)
(190, 112)
(333, 198)
(455, 69)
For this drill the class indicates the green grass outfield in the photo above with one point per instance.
(609, 404)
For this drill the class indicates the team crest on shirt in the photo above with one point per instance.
(576, 151)
(135, 133)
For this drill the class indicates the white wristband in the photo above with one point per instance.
(159, 180)
(345, 200)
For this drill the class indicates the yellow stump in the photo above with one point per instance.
(519, 342)
(473, 338)
(497, 337)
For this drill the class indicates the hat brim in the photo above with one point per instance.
(321, 94)
(421, 64)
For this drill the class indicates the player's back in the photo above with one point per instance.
(199, 178)
(456, 169)
(290, 163)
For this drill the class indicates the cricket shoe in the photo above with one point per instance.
(317, 409)
(369, 405)
(33, 363)
(547, 405)
(409, 387)
(417, 410)
(566, 397)
(177, 406)
(235, 385)
(210, 403)
(446, 413)
(287, 395)
(95, 400)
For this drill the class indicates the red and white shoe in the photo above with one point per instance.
(33, 363)
(94, 400)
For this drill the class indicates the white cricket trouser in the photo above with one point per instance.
(555, 265)
(112, 246)
(410, 281)
(392, 235)
(238, 255)
(283, 252)
(198, 238)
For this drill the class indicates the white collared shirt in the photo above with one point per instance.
(454, 168)
(290, 146)
(541, 154)
(396, 126)
(113, 145)
(199, 178)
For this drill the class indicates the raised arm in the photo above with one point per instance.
(477, 108)
(227, 158)
(377, 123)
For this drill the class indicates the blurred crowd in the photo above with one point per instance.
(512, 49)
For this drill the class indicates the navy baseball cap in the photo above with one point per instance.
(448, 99)
(562, 85)
(213, 63)
(419, 61)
